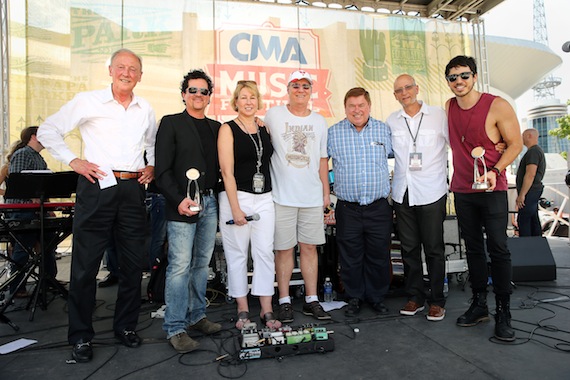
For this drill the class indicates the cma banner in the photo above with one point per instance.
(267, 55)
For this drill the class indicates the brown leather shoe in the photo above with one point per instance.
(435, 313)
(206, 327)
(183, 343)
(411, 308)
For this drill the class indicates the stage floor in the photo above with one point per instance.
(388, 347)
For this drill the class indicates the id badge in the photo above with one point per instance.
(258, 182)
(415, 161)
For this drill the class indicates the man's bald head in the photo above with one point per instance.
(530, 137)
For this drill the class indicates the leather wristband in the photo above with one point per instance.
(496, 170)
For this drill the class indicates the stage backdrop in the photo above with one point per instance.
(59, 48)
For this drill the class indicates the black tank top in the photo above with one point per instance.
(245, 157)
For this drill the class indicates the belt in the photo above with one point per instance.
(209, 192)
(357, 204)
(127, 175)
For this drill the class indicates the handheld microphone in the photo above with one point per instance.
(249, 218)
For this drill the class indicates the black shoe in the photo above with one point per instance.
(477, 312)
(82, 352)
(503, 329)
(353, 307)
(286, 313)
(380, 308)
(129, 338)
(316, 310)
(110, 280)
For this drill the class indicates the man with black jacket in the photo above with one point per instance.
(186, 142)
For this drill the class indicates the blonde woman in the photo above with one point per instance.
(247, 215)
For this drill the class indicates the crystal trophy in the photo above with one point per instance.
(478, 154)
(193, 174)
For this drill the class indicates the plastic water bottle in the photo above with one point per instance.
(328, 290)
(445, 286)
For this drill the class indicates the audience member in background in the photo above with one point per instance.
(26, 156)
(529, 185)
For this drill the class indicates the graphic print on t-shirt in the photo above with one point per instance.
(299, 138)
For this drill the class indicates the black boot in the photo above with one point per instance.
(503, 329)
(477, 312)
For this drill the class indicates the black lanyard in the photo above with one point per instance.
(414, 138)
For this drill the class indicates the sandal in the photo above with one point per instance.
(268, 320)
(242, 319)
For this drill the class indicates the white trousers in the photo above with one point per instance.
(237, 239)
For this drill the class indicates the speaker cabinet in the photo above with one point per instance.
(532, 259)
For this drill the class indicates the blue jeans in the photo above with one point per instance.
(190, 247)
(528, 220)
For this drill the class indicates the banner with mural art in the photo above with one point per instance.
(61, 48)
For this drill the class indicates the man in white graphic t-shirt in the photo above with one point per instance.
(299, 173)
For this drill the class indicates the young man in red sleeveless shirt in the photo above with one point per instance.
(481, 120)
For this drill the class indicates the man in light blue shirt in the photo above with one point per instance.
(359, 147)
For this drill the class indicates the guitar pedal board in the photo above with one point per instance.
(285, 341)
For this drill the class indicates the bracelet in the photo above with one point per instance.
(496, 170)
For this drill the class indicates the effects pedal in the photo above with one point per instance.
(285, 341)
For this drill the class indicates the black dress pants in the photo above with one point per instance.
(363, 235)
(98, 213)
(422, 226)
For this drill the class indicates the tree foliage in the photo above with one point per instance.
(563, 130)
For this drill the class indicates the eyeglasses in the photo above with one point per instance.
(453, 77)
(194, 90)
(305, 86)
(400, 91)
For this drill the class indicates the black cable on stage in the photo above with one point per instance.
(147, 366)
(532, 302)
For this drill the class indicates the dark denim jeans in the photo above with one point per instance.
(483, 215)
(527, 219)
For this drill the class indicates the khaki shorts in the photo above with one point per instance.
(298, 224)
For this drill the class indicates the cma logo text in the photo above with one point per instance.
(249, 47)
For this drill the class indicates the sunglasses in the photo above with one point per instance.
(400, 91)
(305, 86)
(453, 77)
(194, 90)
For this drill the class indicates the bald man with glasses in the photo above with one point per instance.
(419, 192)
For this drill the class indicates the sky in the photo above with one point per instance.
(514, 19)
